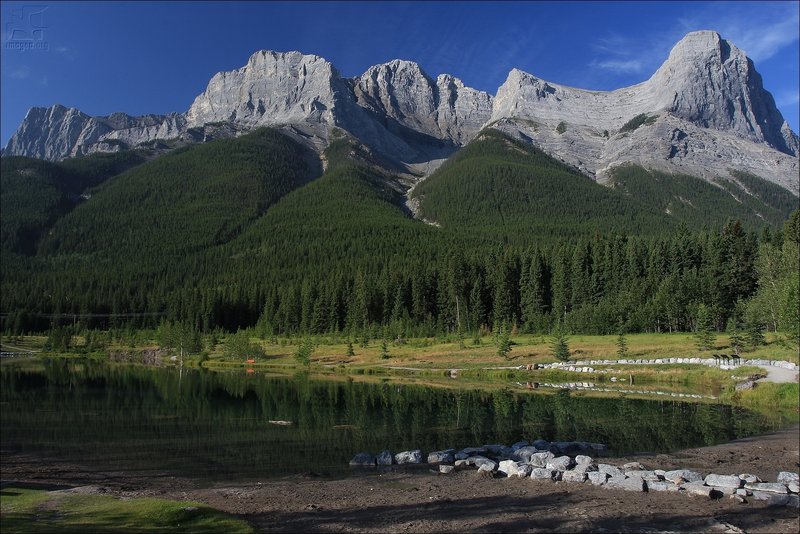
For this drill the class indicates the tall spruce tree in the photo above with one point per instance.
(704, 334)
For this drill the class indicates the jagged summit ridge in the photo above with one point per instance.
(271, 88)
(706, 81)
(706, 105)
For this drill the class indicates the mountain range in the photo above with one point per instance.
(704, 113)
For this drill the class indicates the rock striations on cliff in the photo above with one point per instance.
(704, 112)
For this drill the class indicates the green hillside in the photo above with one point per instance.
(497, 186)
(35, 194)
(697, 202)
(184, 201)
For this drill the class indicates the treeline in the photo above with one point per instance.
(227, 236)
(599, 286)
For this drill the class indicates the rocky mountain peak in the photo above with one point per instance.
(703, 111)
(712, 83)
(405, 97)
(273, 87)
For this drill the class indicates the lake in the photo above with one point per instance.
(222, 425)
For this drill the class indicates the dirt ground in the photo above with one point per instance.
(422, 501)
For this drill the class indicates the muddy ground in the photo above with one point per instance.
(422, 501)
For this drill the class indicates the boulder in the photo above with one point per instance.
(446, 469)
(523, 454)
(463, 454)
(486, 468)
(441, 457)
(540, 459)
(725, 490)
(597, 478)
(662, 486)
(633, 466)
(610, 470)
(724, 481)
(505, 466)
(573, 476)
(585, 468)
(514, 469)
(408, 457)
(770, 487)
(627, 484)
(363, 459)
(384, 458)
(541, 444)
(568, 447)
(772, 499)
(787, 477)
(679, 476)
(698, 489)
(540, 473)
(644, 475)
(482, 461)
(562, 463)
(498, 449)
(462, 463)
(583, 459)
(749, 478)
(794, 487)
(518, 445)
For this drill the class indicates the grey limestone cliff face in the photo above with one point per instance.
(403, 94)
(708, 110)
(271, 88)
(58, 132)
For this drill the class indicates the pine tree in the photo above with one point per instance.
(622, 345)
(736, 337)
(754, 336)
(559, 345)
(503, 340)
(350, 351)
(704, 334)
(384, 349)
(303, 353)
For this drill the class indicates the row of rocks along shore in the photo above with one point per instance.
(574, 462)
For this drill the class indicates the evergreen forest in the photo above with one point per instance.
(250, 233)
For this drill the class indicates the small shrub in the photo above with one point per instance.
(637, 121)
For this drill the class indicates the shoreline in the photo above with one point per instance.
(422, 501)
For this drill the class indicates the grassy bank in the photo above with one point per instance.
(28, 510)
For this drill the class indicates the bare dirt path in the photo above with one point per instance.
(779, 375)
(422, 501)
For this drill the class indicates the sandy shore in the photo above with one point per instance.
(422, 501)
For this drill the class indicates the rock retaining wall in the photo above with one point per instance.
(574, 462)
(585, 366)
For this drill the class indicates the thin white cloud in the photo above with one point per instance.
(66, 51)
(623, 66)
(20, 73)
(787, 98)
(761, 43)
(761, 30)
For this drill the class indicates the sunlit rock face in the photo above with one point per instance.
(704, 112)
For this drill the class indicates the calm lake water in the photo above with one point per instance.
(216, 425)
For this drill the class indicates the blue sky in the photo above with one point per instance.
(155, 57)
